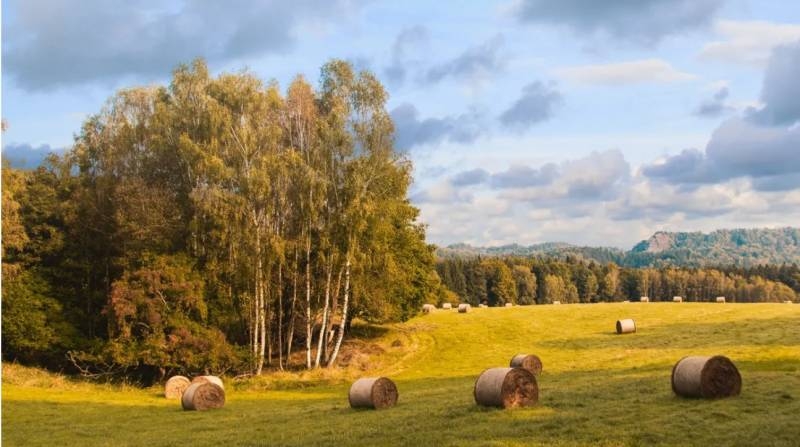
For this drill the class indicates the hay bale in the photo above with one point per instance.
(482, 305)
(509, 304)
(447, 306)
(506, 388)
(464, 308)
(677, 299)
(175, 387)
(626, 326)
(373, 392)
(202, 396)
(209, 379)
(703, 376)
(428, 308)
(527, 361)
(644, 299)
(556, 302)
(787, 302)
(720, 299)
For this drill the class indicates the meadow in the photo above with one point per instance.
(597, 387)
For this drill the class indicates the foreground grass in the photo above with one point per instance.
(597, 388)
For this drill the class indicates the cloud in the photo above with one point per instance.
(597, 200)
(643, 22)
(781, 88)
(714, 107)
(407, 40)
(25, 156)
(748, 42)
(738, 148)
(471, 177)
(53, 44)
(474, 63)
(535, 105)
(413, 131)
(624, 73)
(524, 176)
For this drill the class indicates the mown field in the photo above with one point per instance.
(597, 388)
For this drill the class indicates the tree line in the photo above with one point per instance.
(214, 224)
(496, 281)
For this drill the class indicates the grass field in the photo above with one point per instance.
(597, 388)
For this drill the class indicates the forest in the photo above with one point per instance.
(225, 225)
(496, 281)
(217, 224)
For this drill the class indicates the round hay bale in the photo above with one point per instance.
(428, 308)
(203, 396)
(509, 304)
(626, 326)
(720, 299)
(787, 302)
(481, 305)
(209, 379)
(506, 388)
(175, 387)
(464, 308)
(677, 299)
(527, 361)
(556, 302)
(447, 306)
(644, 299)
(703, 376)
(373, 392)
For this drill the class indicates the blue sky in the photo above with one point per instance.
(527, 120)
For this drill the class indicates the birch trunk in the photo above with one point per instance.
(345, 303)
(308, 302)
(292, 317)
(280, 316)
(324, 326)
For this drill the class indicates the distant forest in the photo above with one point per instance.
(738, 247)
(536, 280)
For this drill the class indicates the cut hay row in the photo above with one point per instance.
(373, 392)
(506, 388)
(527, 361)
(626, 326)
(202, 396)
(708, 377)
(175, 387)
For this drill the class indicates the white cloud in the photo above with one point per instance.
(624, 73)
(748, 42)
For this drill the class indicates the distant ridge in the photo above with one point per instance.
(737, 247)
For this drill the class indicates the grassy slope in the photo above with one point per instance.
(597, 388)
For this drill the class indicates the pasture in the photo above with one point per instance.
(596, 388)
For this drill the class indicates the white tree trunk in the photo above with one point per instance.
(345, 302)
(308, 302)
(324, 326)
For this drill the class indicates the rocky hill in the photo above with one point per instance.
(737, 247)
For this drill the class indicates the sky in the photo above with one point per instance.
(528, 121)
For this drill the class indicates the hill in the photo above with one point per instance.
(737, 247)
(597, 388)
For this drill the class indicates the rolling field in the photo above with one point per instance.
(597, 388)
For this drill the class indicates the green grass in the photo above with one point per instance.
(597, 388)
